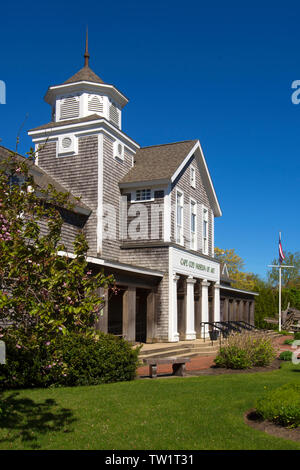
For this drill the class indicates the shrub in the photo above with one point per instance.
(244, 351)
(286, 356)
(282, 405)
(288, 341)
(297, 335)
(74, 359)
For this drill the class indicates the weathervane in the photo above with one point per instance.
(86, 54)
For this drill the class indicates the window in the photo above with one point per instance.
(193, 176)
(205, 231)
(159, 194)
(179, 218)
(193, 238)
(143, 194)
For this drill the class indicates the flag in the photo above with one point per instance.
(281, 255)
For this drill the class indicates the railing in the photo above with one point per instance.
(245, 325)
(222, 329)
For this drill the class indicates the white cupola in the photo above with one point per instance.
(86, 94)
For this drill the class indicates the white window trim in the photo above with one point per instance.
(181, 241)
(205, 252)
(193, 170)
(134, 200)
(69, 151)
(213, 234)
(195, 245)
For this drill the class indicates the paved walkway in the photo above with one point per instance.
(205, 362)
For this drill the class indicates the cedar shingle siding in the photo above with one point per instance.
(78, 174)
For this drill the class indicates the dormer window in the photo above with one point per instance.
(69, 108)
(143, 194)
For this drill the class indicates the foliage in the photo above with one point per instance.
(290, 278)
(282, 405)
(286, 355)
(266, 303)
(288, 341)
(235, 266)
(74, 359)
(297, 335)
(42, 293)
(244, 350)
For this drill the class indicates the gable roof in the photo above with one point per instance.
(158, 162)
(43, 180)
(161, 164)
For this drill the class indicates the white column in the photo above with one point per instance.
(205, 309)
(190, 332)
(216, 301)
(173, 320)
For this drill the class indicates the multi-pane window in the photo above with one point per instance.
(205, 231)
(179, 218)
(143, 194)
(193, 225)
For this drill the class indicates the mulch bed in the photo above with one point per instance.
(214, 370)
(255, 421)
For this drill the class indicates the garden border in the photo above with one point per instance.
(252, 419)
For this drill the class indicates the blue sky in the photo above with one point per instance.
(219, 72)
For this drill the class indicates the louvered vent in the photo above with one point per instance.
(69, 108)
(95, 105)
(114, 114)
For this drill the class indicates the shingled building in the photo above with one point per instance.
(149, 213)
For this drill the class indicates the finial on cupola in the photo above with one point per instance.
(86, 54)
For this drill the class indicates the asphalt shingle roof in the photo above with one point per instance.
(43, 180)
(158, 162)
(85, 74)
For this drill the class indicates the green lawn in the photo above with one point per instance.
(204, 413)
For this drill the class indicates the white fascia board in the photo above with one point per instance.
(180, 168)
(53, 91)
(197, 146)
(98, 125)
(238, 290)
(143, 184)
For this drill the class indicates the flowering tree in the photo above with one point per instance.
(42, 294)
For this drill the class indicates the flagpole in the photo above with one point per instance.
(279, 267)
(279, 317)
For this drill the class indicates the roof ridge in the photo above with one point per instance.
(171, 143)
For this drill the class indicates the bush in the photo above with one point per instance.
(297, 335)
(282, 405)
(244, 351)
(288, 341)
(286, 356)
(71, 360)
